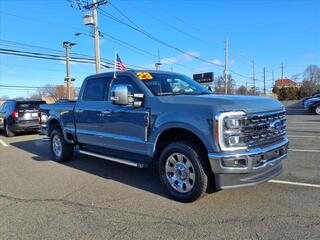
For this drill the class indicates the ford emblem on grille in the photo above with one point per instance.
(275, 125)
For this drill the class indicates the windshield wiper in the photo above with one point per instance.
(169, 93)
(183, 93)
(197, 93)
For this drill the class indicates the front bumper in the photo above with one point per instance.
(261, 164)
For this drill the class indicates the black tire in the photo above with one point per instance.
(317, 110)
(7, 131)
(67, 149)
(193, 153)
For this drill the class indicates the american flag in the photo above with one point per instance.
(119, 65)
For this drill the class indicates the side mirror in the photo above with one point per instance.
(122, 94)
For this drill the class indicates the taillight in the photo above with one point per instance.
(14, 115)
(39, 117)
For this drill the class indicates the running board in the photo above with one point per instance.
(114, 159)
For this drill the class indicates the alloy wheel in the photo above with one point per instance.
(180, 172)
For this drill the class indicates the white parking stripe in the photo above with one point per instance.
(301, 128)
(299, 136)
(3, 143)
(305, 122)
(304, 150)
(296, 183)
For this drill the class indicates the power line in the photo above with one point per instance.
(41, 20)
(26, 86)
(32, 46)
(81, 5)
(48, 56)
(142, 50)
(122, 42)
(154, 38)
(240, 75)
(107, 63)
(157, 19)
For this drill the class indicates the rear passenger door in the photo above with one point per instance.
(90, 112)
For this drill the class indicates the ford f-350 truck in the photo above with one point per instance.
(195, 137)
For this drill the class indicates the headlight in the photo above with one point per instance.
(228, 131)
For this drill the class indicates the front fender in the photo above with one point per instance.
(204, 136)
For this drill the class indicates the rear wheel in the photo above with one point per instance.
(317, 110)
(182, 171)
(60, 149)
(7, 131)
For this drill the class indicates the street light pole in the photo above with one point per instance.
(68, 79)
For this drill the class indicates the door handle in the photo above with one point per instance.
(78, 110)
(106, 112)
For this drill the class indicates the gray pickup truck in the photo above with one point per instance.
(196, 138)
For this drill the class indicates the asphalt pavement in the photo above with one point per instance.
(90, 198)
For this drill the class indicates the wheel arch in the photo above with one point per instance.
(172, 134)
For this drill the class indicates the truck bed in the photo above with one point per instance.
(62, 111)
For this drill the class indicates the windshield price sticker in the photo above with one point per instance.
(144, 76)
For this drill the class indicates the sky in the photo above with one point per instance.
(266, 32)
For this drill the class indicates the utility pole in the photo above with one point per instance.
(93, 20)
(254, 78)
(264, 81)
(96, 36)
(281, 70)
(226, 67)
(68, 79)
(158, 64)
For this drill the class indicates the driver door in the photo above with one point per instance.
(127, 125)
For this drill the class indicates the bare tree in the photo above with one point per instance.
(296, 77)
(4, 98)
(242, 90)
(56, 92)
(219, 85)
(308, 88)
(312, 73)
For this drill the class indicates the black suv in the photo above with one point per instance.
(19, 115)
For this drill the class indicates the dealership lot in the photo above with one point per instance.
(90, 198)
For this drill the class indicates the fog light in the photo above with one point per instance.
(234, 163)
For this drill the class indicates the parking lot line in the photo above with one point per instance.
(295, 183)
(3, 143)
(306, 136)
(304, 150)
(305, 122)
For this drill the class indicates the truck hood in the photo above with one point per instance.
(248, 104)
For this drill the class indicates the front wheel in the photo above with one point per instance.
(182, 171)
(60, 149)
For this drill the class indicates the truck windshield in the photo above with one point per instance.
(173, 84)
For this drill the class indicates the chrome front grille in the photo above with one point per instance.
(264, 128)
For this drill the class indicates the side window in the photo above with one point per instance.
(126, 80)
(96, 89)
(5, 107)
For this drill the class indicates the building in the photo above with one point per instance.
(284, 83)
